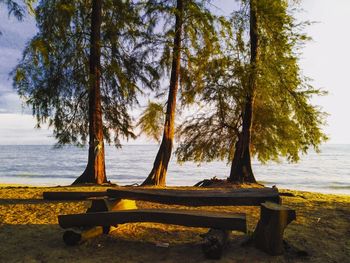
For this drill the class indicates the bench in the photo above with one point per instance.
(117, 206)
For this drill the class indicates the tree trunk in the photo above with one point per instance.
(95, 170)
(158, 174)
(241, 168)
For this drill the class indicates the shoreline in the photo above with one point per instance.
(325, 172)
(14, 185)
(30, 231)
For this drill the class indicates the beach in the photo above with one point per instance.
(30, 233)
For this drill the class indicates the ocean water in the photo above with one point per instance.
(326, 172)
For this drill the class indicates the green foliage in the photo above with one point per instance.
(200, 41)
(53, 75)
(285, 123)
(152, 120)
(209, 134)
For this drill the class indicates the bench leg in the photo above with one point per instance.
(268, 235)
(77, 236)
(214, 243)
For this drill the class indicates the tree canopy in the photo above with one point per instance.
(239, 78)
(285, 123)
(53, 75)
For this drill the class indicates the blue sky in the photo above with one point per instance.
(325, 60)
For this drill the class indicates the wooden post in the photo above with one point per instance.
(268, 235)
(76, 236)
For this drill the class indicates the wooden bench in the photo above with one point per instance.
(112, 207)
(72, 196)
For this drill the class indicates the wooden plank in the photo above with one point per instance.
(222, 197)
(72, 195)
(230, 221)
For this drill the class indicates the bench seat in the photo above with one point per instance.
(198, 197)
(220, 197)
(205, 219)
(73, 196)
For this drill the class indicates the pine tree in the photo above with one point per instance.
(160, 166)
(83, 70)
(95, 170)
(241, 167)
(255, 90)
(194, 41)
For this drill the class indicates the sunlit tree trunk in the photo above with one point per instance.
(95, 170)
(241, 168)
(158, 174)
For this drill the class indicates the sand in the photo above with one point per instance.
(29, 232)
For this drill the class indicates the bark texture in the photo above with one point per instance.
(160, 166)
(183, 217)
(222, 197)
(241, 168)
(95, 171)
(268, 235)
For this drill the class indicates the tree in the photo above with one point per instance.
(95, 170)
(241, 168)
(160, 166)
(256, 101)
(194, 41)
(83, 70)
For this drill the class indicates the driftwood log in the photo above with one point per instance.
(214, 243)
(268, 235)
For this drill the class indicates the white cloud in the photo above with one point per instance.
(19, 129)
(12, 41)
(11, 103)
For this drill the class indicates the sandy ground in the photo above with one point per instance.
(29, 232)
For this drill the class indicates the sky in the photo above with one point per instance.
(325, 59)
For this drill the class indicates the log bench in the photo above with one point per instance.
(117, 206)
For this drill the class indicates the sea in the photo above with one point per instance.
(44, 165)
